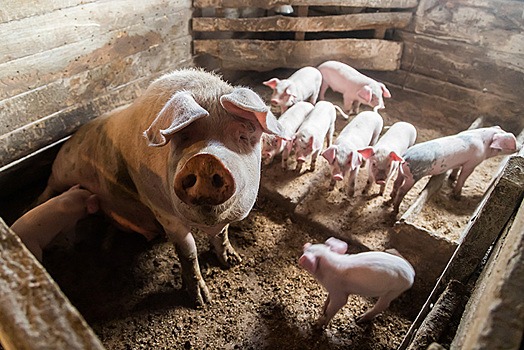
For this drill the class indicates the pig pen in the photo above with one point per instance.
(130, 291)
(446, 63)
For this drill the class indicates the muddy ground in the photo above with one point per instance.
(130, 291)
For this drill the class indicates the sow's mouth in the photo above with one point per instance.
(206, 215)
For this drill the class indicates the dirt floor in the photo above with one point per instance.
(130, 291)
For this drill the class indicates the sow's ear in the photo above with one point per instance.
(504, 141)
(336, 245)
(180, 111)
(244, 103)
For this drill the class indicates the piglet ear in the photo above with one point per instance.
(504, 141)
(365, 93)
(395, 157)
(385, 91)
(271, 83)
(330, 153)
(245, 103)
(309, 262)
(367, 152)
(336, 245)
(180, 111)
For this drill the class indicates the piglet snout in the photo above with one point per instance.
(204, 180)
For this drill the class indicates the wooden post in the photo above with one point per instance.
(302, 11)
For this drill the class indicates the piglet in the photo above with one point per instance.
(384, 158)
(290, 121)
(343, 156)
(302, 85)
(309, 139)
(40, 225)
(369, 274)
(355, 87)
(464, 150)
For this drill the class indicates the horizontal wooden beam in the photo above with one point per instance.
(267, 4)
(360, 21)
(262, 55)
(34, 313)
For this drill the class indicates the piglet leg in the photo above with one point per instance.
(187, 254)
(381, 305)
(225, 252)
(333, 303)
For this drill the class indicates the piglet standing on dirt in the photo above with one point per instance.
(384, 158)
(464, 150)
(369, 274)
(291, 120)
(355, 87)
(186, 154)
(309, 139)
(343, 156)
(40, 225)
(302, 85)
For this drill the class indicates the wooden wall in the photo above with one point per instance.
(468, 53)
(63, 62)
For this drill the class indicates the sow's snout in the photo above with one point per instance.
(204, 180)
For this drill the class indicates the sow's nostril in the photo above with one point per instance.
(204, 180)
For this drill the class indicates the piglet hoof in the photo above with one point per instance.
(362, 319)
(456, 196)
(229, 257)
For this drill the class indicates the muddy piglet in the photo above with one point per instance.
(290, 121)
(40, 225)
(355, 87)
(309, 139)
(369, 274)
(384, 158)
(464, 150)
(343, 156)
(302, 85)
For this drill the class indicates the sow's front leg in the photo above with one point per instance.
(225, 252)
(187, 254)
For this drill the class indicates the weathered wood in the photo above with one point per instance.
(267, 4)
(359, 21)
(34, 313)
(260, 55)
(71, 91)
(302, 11)
(88, 21)
(12, 10)
(464, 65)
(496, 26)
(492, 214)
(495, 312)
(30, 72)
(440, 315)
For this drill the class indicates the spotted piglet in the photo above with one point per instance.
(464, 150)
(309, 139)
(343, 156)
(369, 274)
(384, 158)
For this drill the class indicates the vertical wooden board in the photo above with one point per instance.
(34, 313)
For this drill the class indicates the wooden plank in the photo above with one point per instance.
(302, 11)
(64, 93)
(488, 221)
(267, 4)
(49, 31)
(30, 72)
(495, 27)
(494, 315)
(34, 313)
(12, 10)
(260, 55)
(463, 64)
(32, 136)
(359, 21)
